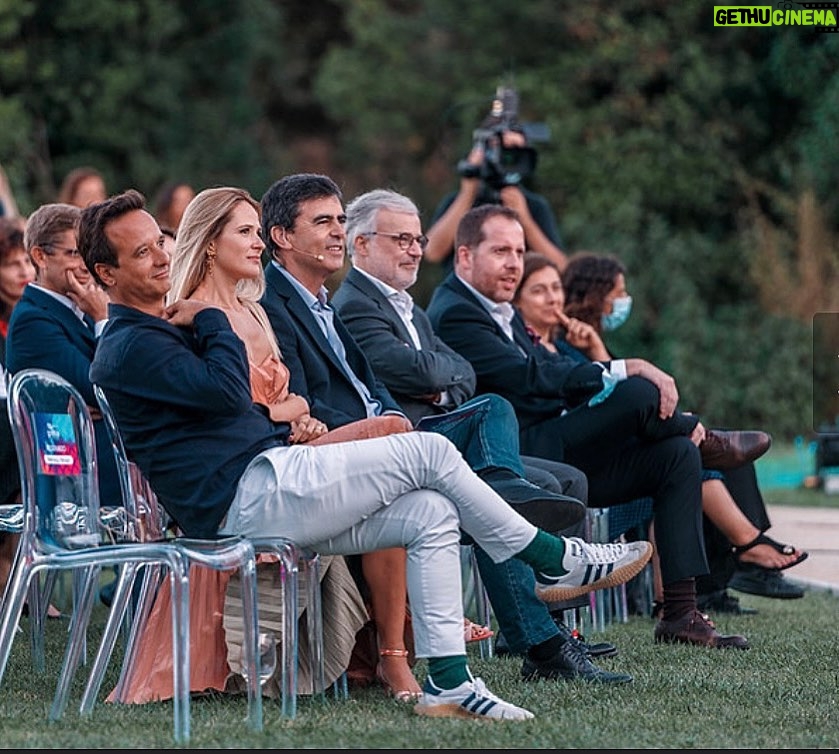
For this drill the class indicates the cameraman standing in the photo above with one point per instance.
(480, 185)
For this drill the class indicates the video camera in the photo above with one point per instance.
(503, 166)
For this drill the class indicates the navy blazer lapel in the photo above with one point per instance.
(59, 311)
(520, 334)
(303, 316)
(459, 289)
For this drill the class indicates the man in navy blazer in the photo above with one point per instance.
(57, 320)
(616, 421)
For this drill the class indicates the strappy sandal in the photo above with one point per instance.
(475, 631)
(400, 695)
(762, 539)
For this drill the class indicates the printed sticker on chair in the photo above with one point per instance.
(58, 449)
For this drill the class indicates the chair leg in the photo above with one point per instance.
(36, 623)
(84, 592)
(179, 581)
(119, 607)
(152, 578)
(482, 607)
(314, 624)
(250, 618)
(15, 595)
(289, 575)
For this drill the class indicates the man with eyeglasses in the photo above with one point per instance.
(427, 378)
(58, 319)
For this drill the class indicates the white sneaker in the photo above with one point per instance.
(592, 566)
(470, 699)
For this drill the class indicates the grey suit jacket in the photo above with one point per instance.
(407, 372)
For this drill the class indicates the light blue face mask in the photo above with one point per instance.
(621, 307)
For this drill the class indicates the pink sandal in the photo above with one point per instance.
(476, 632)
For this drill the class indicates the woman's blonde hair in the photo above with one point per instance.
(202, 223)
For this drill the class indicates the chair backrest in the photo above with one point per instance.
(146, 517)
(56, 451)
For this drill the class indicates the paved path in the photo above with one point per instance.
(815, 530)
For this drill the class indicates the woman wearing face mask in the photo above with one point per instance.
(569, 314)
(595, 291)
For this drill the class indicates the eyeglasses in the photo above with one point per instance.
(73, 253)
(403, 240)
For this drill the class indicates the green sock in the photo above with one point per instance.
(448, 672)
(545, 554)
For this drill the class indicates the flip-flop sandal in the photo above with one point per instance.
(476, 632)
(762, 539)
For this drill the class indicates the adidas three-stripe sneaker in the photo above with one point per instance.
(472, 699)
(591, 566)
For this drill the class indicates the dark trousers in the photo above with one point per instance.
(9, 476)
(628, 452)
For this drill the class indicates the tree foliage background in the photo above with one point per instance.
(704, 157)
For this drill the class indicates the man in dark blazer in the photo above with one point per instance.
(57, 320)
(616, 421)
(302, 263)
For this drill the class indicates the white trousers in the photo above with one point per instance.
(411, 490)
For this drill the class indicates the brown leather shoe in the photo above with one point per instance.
(722, 450)
(695, 628)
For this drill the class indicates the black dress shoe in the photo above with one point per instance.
(722, 602)
(568, 663)
(727, 450)
(597, 649)
(695, 628)
(550, 511)
(764, 582)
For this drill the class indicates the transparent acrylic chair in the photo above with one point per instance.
(62, 530)
(147, 522)
(291, 559)
(53, 436)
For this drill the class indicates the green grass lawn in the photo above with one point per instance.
(782, 693)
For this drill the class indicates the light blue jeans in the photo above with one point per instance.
(411, 490)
